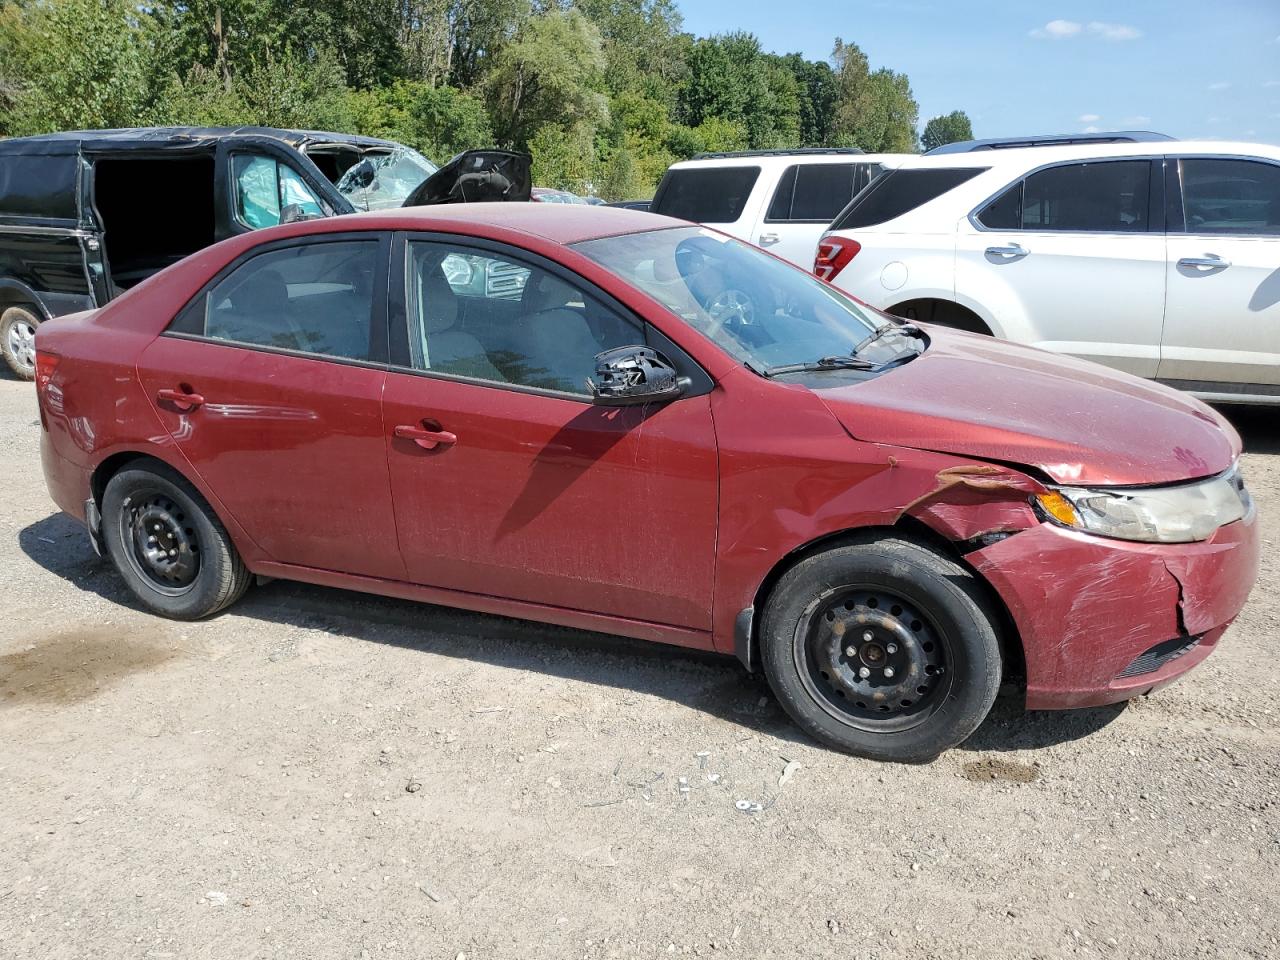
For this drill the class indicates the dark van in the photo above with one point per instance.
(85, 215)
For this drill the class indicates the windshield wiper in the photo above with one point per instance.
(906, 329)
(849, 362)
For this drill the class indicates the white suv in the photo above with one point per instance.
(781, 200)
(1160, 259)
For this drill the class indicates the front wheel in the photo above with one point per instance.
(884, 649)
(168, 545)
(18, 340)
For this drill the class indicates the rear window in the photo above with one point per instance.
(705, 194)
(32, 186)
(899, 192)
(816, 192)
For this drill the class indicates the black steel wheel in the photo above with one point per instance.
(167, 543)
(883, 648)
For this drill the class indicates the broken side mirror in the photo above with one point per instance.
(634, 375)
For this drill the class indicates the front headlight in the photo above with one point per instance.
(1180, 514)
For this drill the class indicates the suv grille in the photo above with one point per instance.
(1162, 653)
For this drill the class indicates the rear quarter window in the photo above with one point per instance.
(34, 186)
(705, 194)
(898, 192)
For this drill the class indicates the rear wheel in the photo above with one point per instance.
(884, 649)
(168, 545)
(18, 340)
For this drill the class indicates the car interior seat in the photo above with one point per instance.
(447, 349)
(554, 336)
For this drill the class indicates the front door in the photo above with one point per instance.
(270, 383)
(1222, 321)
(507, 481)
(1072, 259)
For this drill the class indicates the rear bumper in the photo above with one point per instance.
(68, 482)
(1087, 608)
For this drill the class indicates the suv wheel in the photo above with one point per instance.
(168, 545)
(884, 649)
(18, 340)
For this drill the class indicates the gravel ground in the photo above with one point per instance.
(320, 774)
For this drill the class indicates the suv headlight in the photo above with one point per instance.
(1181, 514)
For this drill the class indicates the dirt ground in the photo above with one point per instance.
(320, 774)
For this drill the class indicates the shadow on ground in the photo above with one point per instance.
(708, 682)
(1257, 426)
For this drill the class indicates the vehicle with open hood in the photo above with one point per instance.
(86, 215)
(568, 414)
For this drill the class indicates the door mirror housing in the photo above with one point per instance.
(634, 375)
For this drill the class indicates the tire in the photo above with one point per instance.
(883, 649)
(17, 340)
(148, 511)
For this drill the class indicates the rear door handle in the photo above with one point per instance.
(182, 399)
(1010, 252)
(1210, 261)
(768, 239)
(426, 438)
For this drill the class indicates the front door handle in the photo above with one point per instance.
(1010, 252)
(184, 400)
(768, 239)
(424, 436)
(1210, 261)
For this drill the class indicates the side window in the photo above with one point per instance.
(314, 298)
(1107, 197)
(477, 315)
(816, 192)
(1231, 197)
(263, 188)
(1005, 211)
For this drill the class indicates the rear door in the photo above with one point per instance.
(508, 482)
(270, 383)
(1074, 253)
(807, 198)
(1222, 321)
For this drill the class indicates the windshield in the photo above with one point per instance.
(382, 182)
(766, 313)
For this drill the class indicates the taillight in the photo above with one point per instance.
(46, 363)
(834, 254)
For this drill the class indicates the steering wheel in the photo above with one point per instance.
(730, 307)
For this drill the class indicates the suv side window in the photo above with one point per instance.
(705, 194)
(311, 298)
(1231, 197)
(816, 192)
(478, 315)
(899, 192)
(263, 187)
(1105, 197)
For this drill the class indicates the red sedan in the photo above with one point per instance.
(622, 422)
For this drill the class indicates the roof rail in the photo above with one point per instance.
(1050, 140)
(796, 152)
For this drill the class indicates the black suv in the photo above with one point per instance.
(85, 215)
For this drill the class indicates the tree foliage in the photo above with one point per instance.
(951, 128)
(605, 93)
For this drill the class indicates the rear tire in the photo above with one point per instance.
(18, 340)
(883, 648)
(168, 545)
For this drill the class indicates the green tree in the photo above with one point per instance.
(549, 75)
(817, 96)
(873, 110)
(951, 128)
(447, 121)
(731, 79)
(564, 157)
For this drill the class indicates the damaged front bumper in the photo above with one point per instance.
(1105, 620)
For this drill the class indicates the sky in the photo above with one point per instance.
(1188, 68)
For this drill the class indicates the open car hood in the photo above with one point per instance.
(477, 176)
(1077, 422)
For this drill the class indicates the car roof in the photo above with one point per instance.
(68, 141)
(1048, 140)
(1030, 157)
(785, 158)
(558, 223)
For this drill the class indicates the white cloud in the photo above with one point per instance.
(1092, 129)
(1113, 31)
(1089, 118)
(1215, 120)
(1057, 30)
(1220, 85)
(1138, 121)
(1065, 29)
(1272, 83)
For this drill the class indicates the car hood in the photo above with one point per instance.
(1077, 422)
(477, 176)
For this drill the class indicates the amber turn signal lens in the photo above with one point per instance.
(1058, 507)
